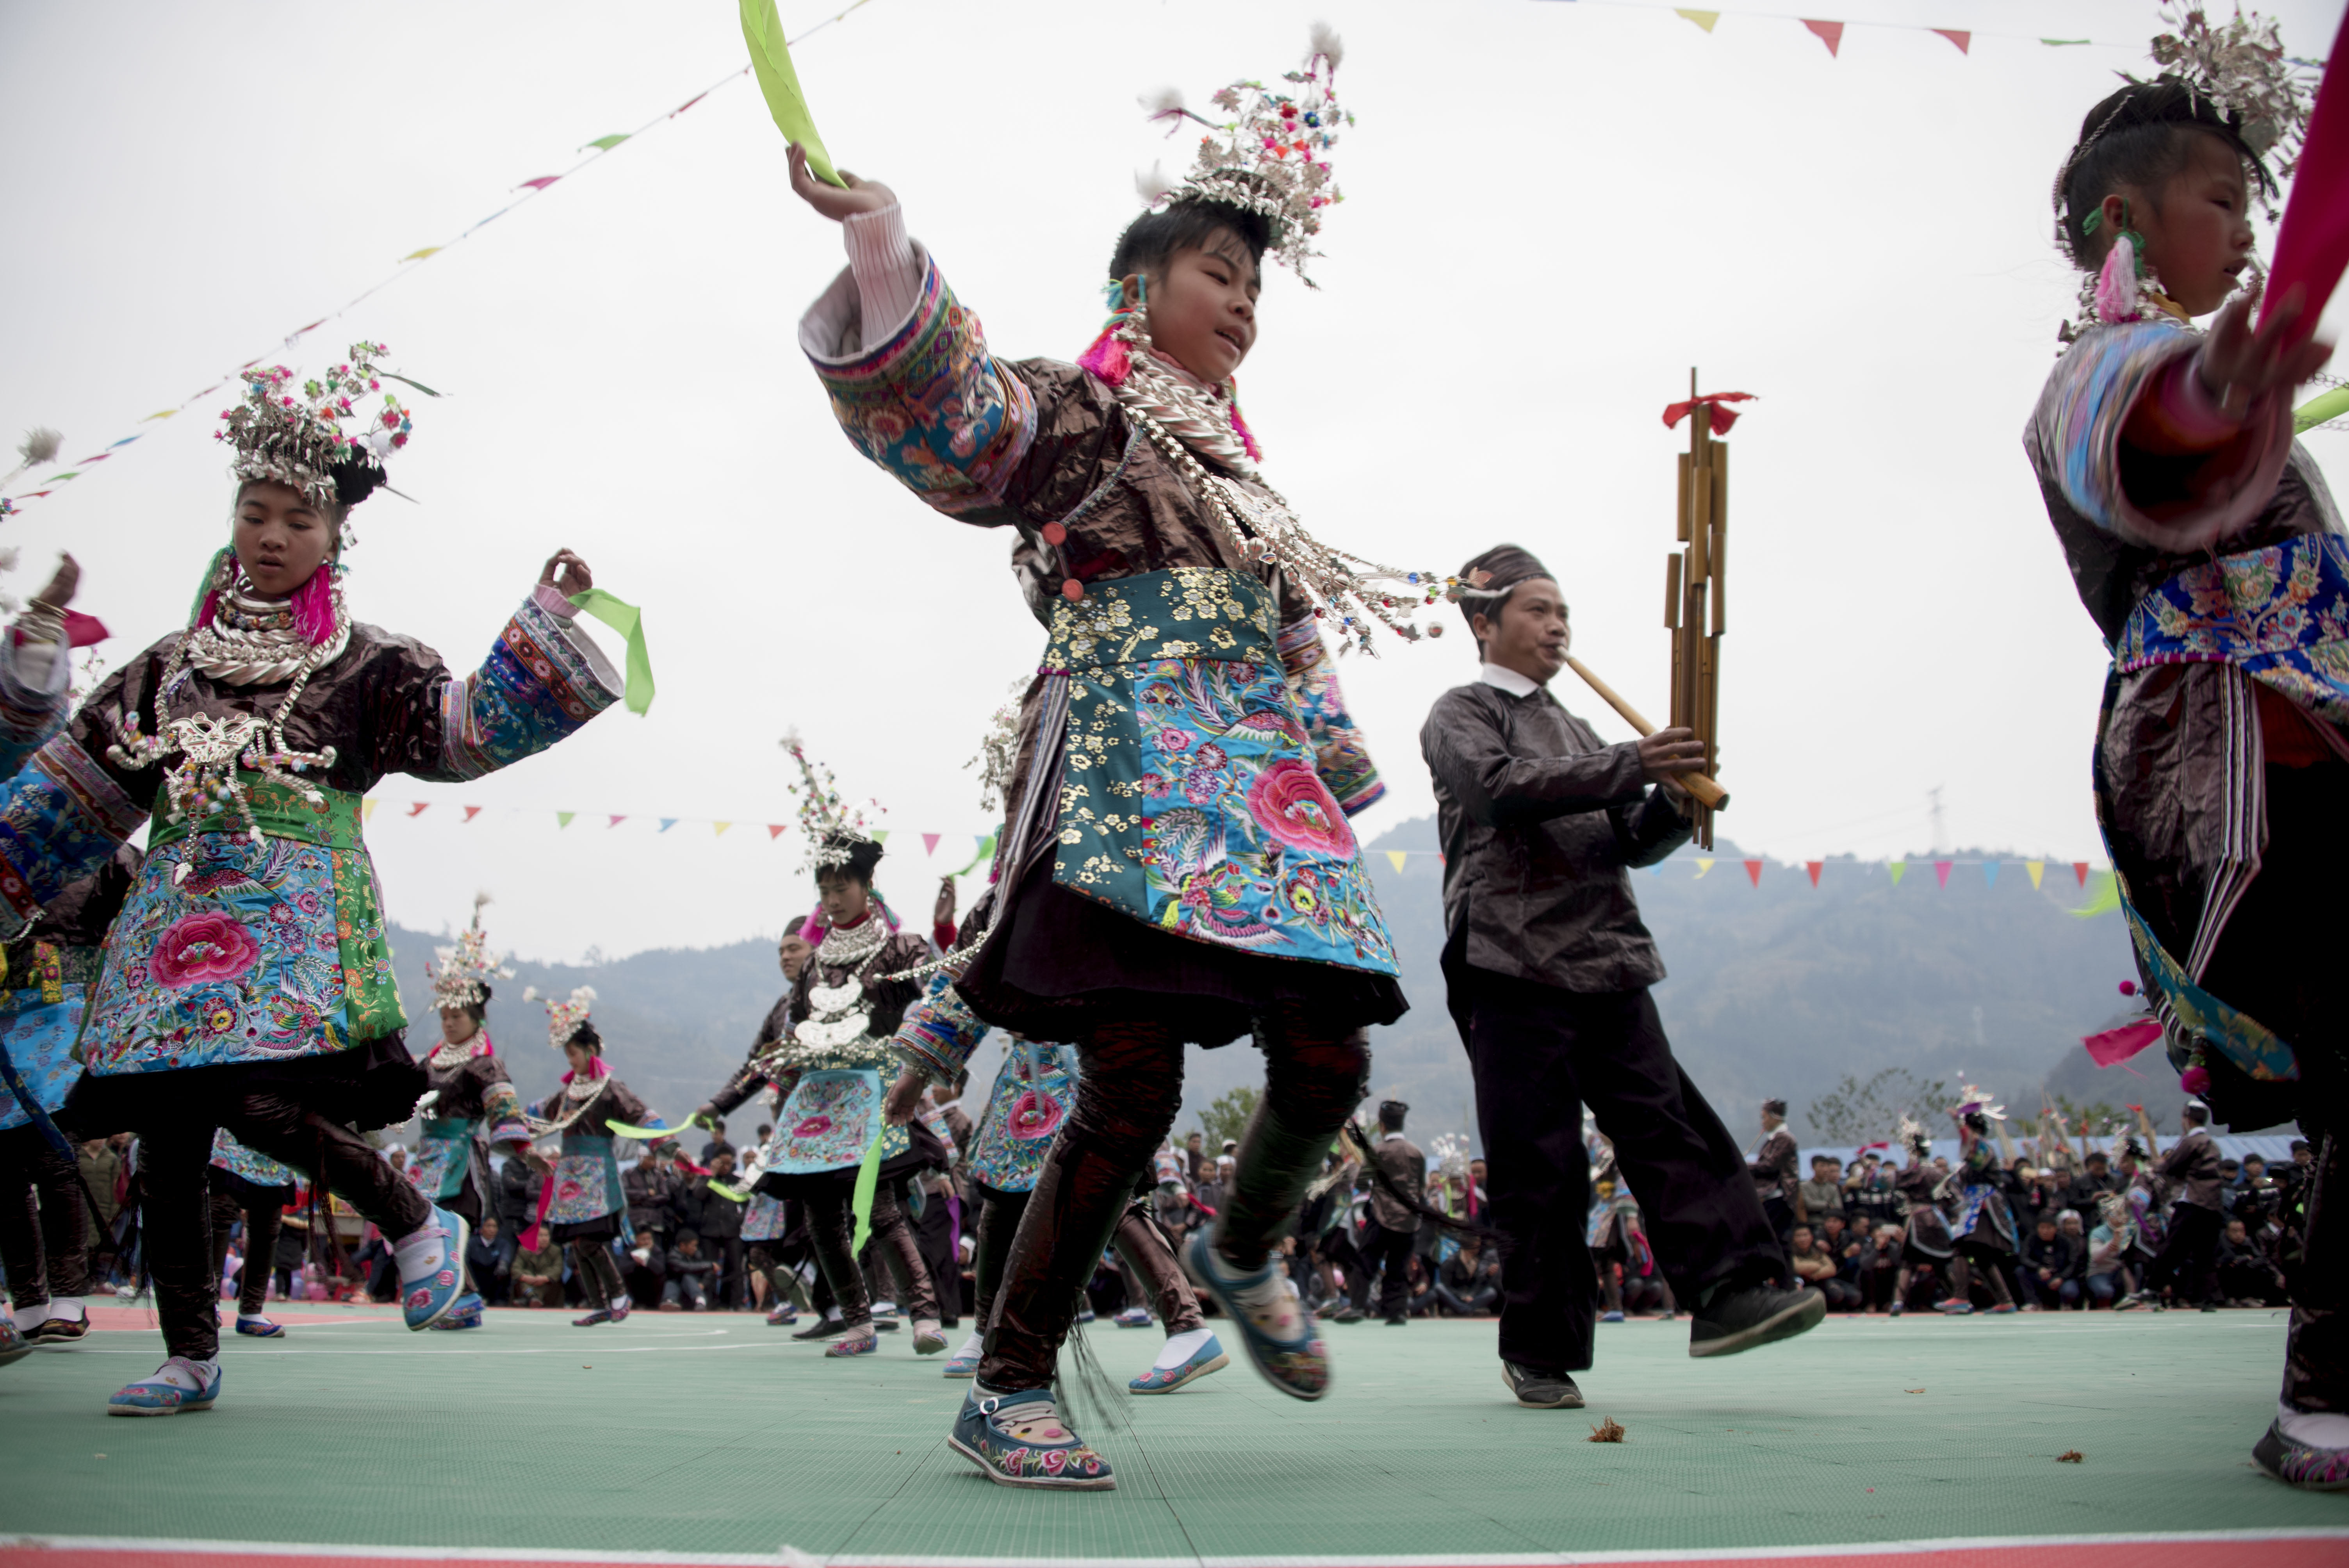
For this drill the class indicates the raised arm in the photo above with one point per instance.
(543, 679)
(1471, 756)
(1339, 754)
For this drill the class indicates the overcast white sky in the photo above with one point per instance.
(1553, 211)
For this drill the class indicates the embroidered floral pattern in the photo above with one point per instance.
(251, 1164)
(831, 1115)
(1032, 1097)
(40, 1037)
(2281, 612)
(587, 1181)
(207, 945)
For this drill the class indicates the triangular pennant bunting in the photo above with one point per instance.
(471, 812)
(1702, 866)
(930, 844)
(1959, 37)
(541, 183)
(1814, 867)
(666, 824)
(416, 808)
(722, 828)
(774, 832)
(1941, 873)
(2080, 872)
(1989, 873)
(1898, 869)
(367, 809)
(2037, 869)
(880, 835)
(420, 255)
(1704, 19)
(1753, 873)
(1396, 857)
(1829, 33)
(614, 818)
(605, 143)
(563, 819)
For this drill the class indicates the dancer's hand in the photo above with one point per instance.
(943, 911)
(61, 586)
(2240, 365)
(1669, 753)
(572, 577)
(839, 205)
(905, 1097)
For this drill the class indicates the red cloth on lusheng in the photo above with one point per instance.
(2312, 244)
(1723, 417)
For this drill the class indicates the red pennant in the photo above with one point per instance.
(1812, 867)
(930, 843)
(774, 832)
(2080, 871)
(541, 183)
(1753, 873)
(686, 104)
(1830, 33)
(616, 820)
(1942, 872)
(417, 809)
(1959, 37)
(471, 812)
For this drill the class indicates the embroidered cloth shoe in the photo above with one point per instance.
(2300, 1464)
(431, 1277)
(13, 1346)
(601, 1315)
(179, 1386)
(1018, 1439)
(1737, 1320)
(1276, 1330)
(782, 1315)
(1610, 1317)
(856, 1342)
(1133, 1318)
(961, 1367)
(465, 1313)
(621, 1307)
(56, 1331)
(259, 1327)
(1539, 1390)
(1208, 1358)
(928, 1338)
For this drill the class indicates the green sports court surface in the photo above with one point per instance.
(693, 1439)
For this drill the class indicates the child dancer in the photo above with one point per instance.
(1178, 865)
(2206, 549)
(247, 982)
(580, 1198)
(473, 1104)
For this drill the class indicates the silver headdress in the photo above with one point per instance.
(563, 1018)
(318, 440)
(834, 829)
(465, 970)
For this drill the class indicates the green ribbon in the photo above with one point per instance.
(2325, 405)
(770, 58)
(654, 1134)
(986, 848)
(629, 622)
(2104, 901)
(868, 1178)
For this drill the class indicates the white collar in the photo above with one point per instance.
(1508, 680)
(1390, 1137)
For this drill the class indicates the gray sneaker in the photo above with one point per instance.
(1541, 1390)
(1740, 1320)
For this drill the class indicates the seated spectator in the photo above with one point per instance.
(1878, 1267)
(687, 1289)
(1817, 1268)
(2049, 1268)
(1823, 1193)
(2248, 1274)
(1422, 1300)
(644, 1268)
(538, 1274)
(485, 1260)
(1469, 1283)
(2108, 1270)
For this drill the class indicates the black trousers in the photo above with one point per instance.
(45, 1231)
(2189, 1257)
(176, 1162)
(1539, 1053)
(1388, 1255)
(260, 1222)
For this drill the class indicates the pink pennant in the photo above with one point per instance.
(541, 183)
(617, 821)
(774, 832)
(471, 812)
(417, 809)
(1942, 872)
(1753, 873)
(686, 104)
(1829, 33)
(1959, 37)
(2110, 1047)
(1812, 867)
(930, 843)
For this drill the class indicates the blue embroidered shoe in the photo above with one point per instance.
(1018, 1440)
(465, 1313)
(1133, 1318)
(259, 1327)
(1276, 1330)
(783, 1317)
(601, 1315)
(158, 1395)
(425, 1299)
(2297, 1464)
(962, 1366)
(1610, 1317)
(1208, 1358)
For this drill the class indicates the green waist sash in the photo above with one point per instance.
(332, 822)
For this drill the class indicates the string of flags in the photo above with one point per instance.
(1896, 869)
(981, 845)
(528, 190)
(1831, 33)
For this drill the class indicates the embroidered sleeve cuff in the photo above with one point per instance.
(547, 599)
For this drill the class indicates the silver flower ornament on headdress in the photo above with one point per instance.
(829, 826)
(465, 969)
(563, 1018)
(300, 436)
(1271, 158)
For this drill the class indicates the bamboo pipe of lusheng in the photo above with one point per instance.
(1710, 795)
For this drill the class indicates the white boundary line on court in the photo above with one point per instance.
(791, 1557)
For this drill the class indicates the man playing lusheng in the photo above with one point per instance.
(1547, 969)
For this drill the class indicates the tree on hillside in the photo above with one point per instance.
(1859, 1112)
(1228, 1116)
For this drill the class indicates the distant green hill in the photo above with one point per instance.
(1780, 989)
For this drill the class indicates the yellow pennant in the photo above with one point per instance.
(367, 809)
(1395, 857)
(1704, 19)
(722, 828)
(420, 255)
(164, 415)
(1702, 866)
(2037, 869)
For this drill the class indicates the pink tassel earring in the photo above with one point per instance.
(2117, 297)
(313, 607)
